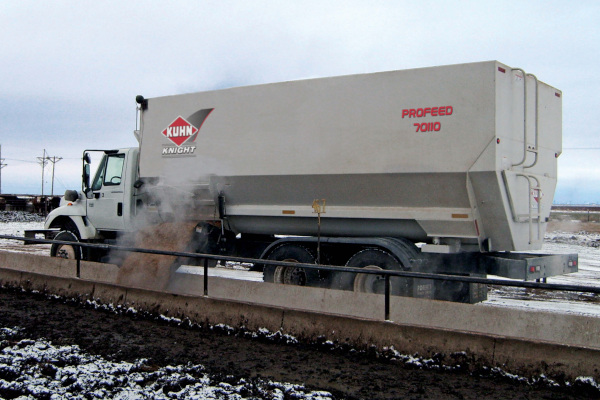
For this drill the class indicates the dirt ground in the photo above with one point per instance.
(347, 373)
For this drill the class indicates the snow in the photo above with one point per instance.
(586, 245)
(37, 369)
(18, 229)
(20, 216)
(224, 272)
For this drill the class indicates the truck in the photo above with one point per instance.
(448, 170)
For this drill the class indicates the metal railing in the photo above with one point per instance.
(387, 274)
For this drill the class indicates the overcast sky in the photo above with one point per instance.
(70, 70)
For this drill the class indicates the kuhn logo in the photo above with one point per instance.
(182, 130)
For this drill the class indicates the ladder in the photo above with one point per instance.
(529, 148)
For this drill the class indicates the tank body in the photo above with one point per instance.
(462, 154)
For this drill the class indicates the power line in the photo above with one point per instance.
(16, 159)
(61, 182)
(37, 162)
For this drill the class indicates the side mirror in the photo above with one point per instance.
(86, 176)
(86, 158)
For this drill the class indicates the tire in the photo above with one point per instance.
(373, 259)
(291, 275)
(411, 250)
(64, 250)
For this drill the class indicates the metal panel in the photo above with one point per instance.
(408, 141)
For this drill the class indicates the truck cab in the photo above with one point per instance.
(105, 206)
(109, 195)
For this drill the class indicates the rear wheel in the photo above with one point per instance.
(369, 283)
(291, 275)
(68, 251)
(372, 259)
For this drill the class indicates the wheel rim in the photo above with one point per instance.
(66, 251)
(289, 275)
(369, 283)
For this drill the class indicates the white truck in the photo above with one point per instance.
(449, 169)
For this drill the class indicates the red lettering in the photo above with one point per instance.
(439, 111)
(428, 126)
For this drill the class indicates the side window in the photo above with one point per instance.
(109, 171)
(114, 170)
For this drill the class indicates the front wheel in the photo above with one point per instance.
(68, 251)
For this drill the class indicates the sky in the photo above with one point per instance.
(71, 69)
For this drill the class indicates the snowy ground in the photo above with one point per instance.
(32, 369)
(587, 246)
(15, 223)
(38, 369)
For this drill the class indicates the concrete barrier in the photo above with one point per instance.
(32, 263)
(575, 330)
(561, 345)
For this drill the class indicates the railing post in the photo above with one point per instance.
(387, 297)
(206, 276)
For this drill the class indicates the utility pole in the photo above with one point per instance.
(42, 161)
(53, 160)
(2, 165)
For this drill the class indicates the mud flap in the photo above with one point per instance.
(461, 292)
